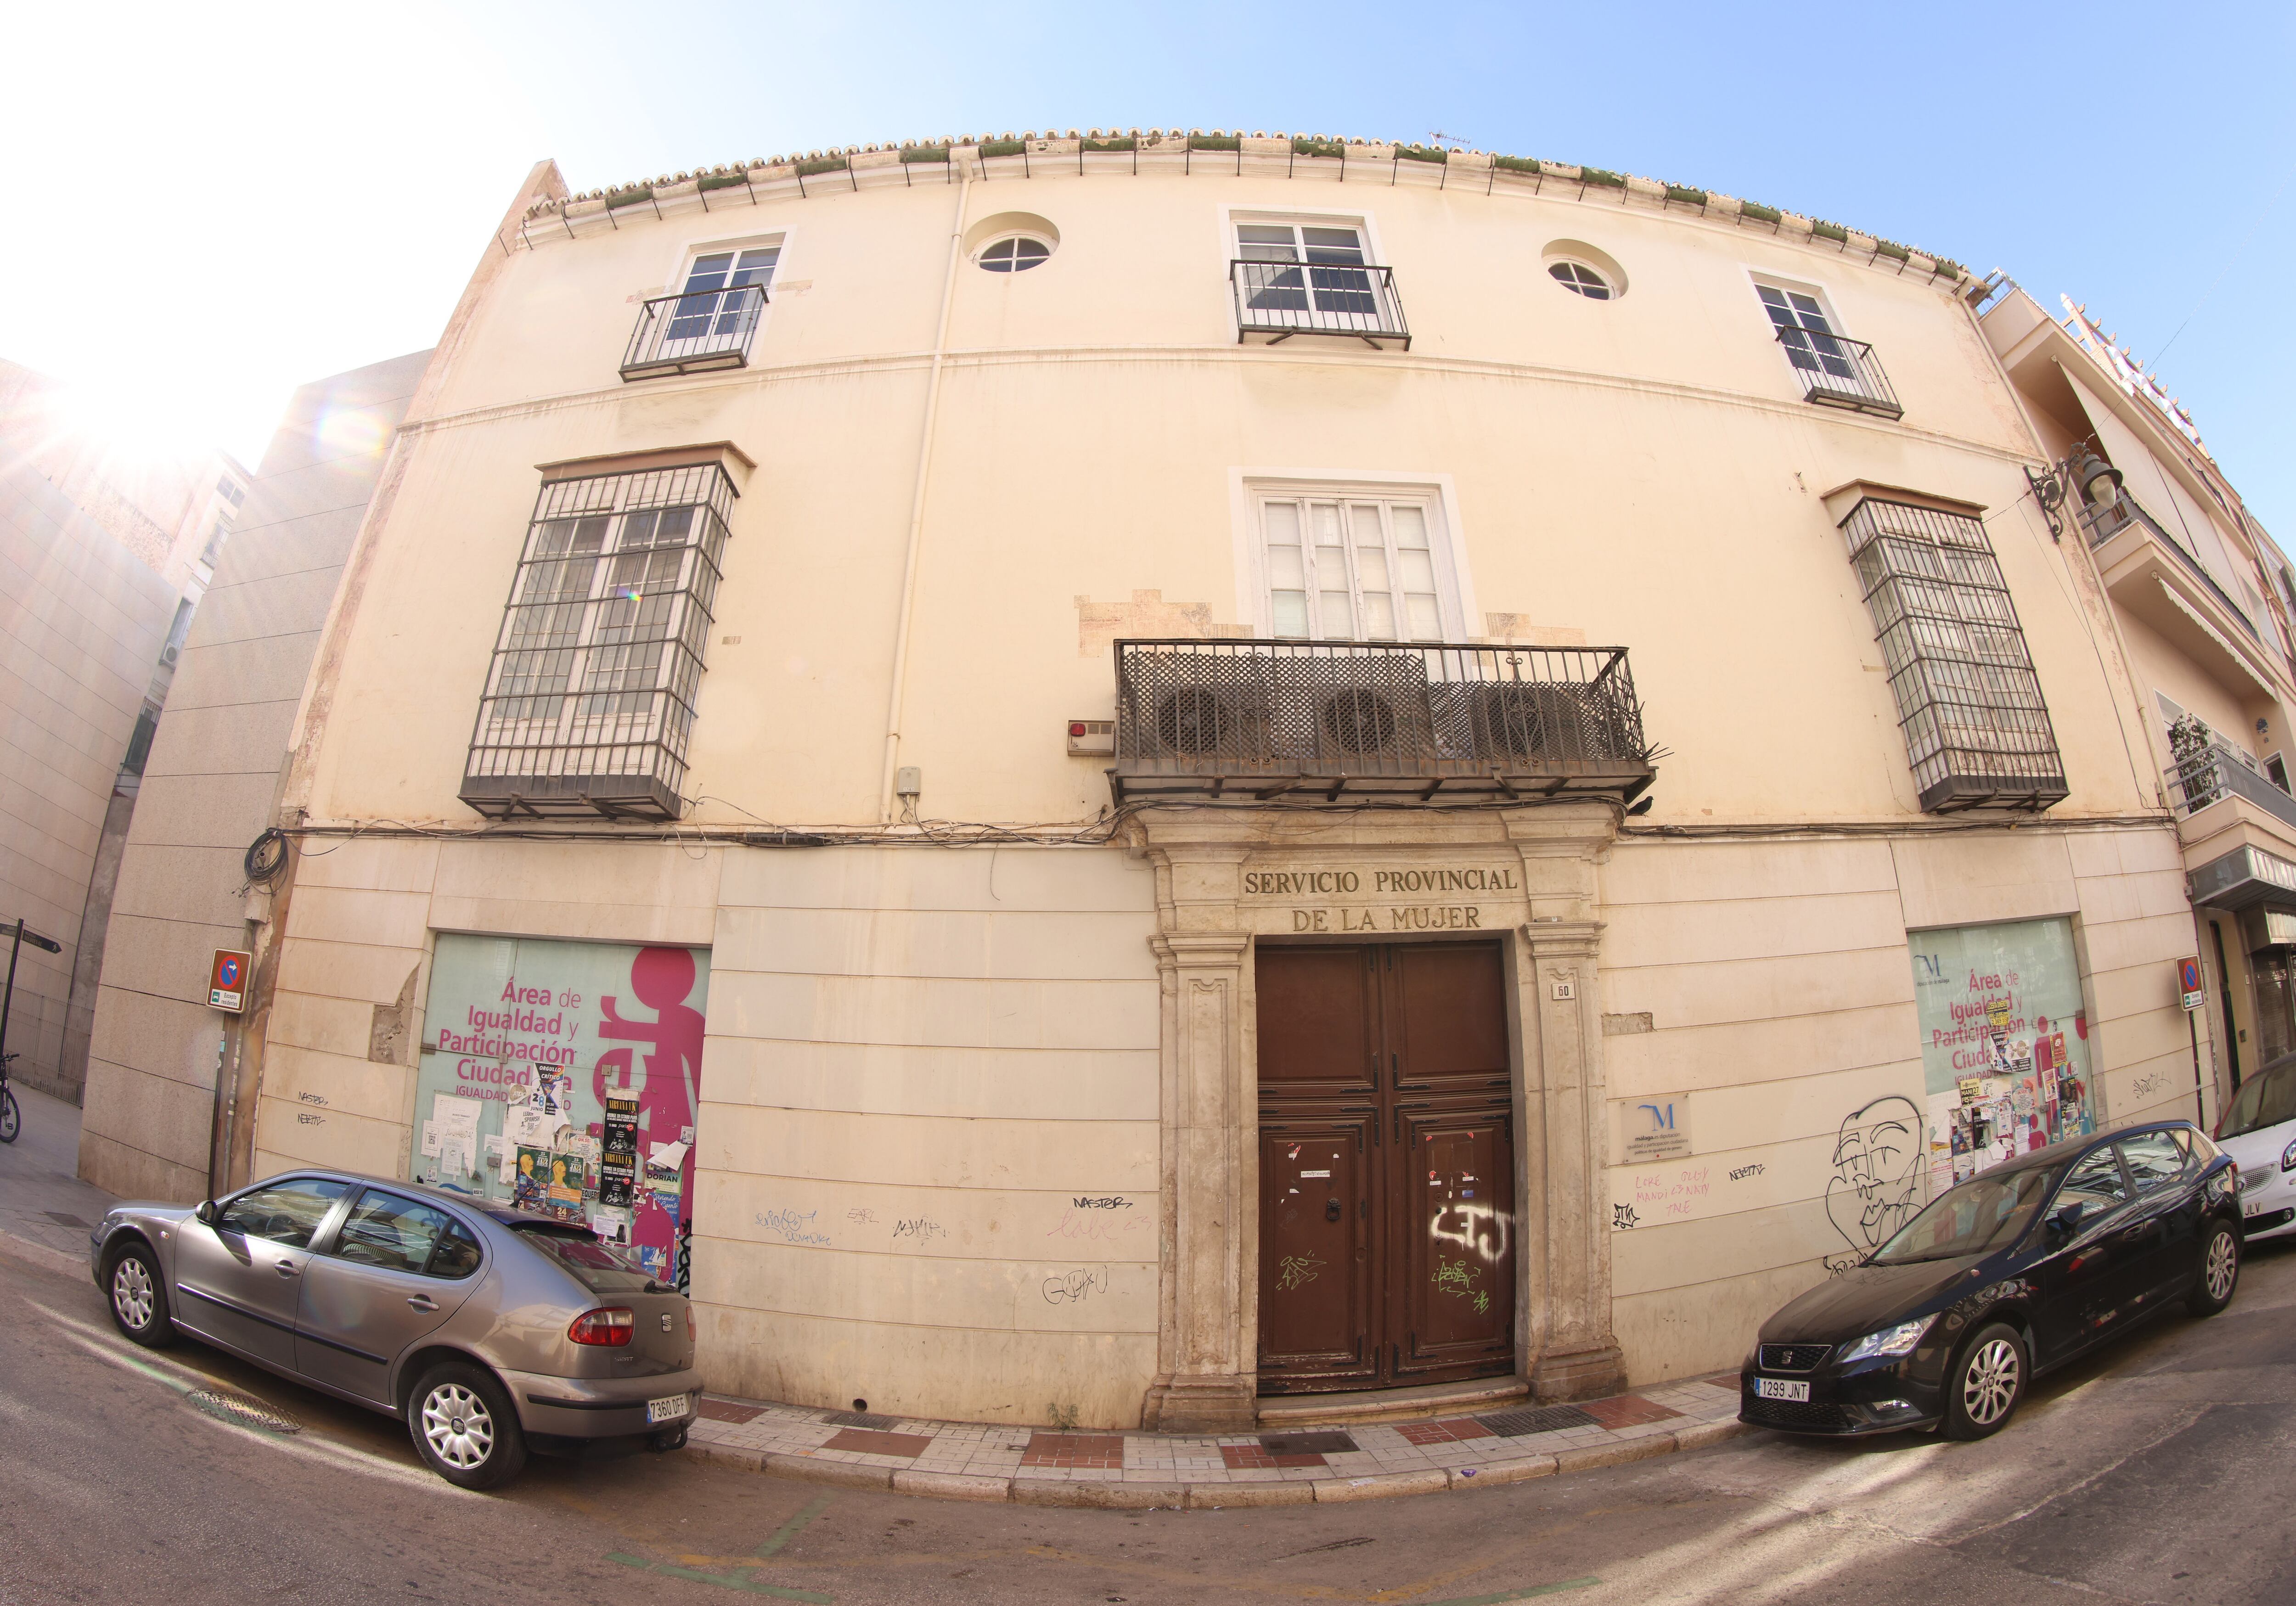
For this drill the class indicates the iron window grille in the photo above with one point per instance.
(1308, 720)
(589, 700)
(694, 332)
(1977, 731)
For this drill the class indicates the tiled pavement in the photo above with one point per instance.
(971, 1461)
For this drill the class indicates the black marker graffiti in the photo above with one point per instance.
(1875, 1188)
(1073, 1286)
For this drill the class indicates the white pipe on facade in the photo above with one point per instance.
(896, 702)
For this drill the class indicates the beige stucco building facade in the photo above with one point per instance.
(1072, 716)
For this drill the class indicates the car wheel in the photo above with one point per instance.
(137, 1297)
(2219, 1271)
(1986, 1384)
(465, 1426)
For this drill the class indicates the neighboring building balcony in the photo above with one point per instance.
(694, 332)
(1838, 371)
(2156, 576)
(1351, 722)
(2214, 774)
(1276, 300)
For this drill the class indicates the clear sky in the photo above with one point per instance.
(210, 204)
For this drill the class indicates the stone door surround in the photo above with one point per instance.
(1228, 878)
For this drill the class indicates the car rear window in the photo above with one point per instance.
(603, 1269)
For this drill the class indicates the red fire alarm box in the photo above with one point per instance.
(227, 980)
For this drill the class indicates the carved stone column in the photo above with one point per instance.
(1207, 1376)
(1578, 1357)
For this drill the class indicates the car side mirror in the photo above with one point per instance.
(2064, 1221)
(208, 1212)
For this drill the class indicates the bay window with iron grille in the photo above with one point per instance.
(1977, 731)
(588, 704)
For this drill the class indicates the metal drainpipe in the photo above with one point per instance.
(896, 701)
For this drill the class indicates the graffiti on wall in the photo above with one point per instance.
(1875, 1187)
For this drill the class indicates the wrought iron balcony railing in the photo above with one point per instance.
(1838, 371)
(1362, 720)
(695, 332)
(1275, 300)
(2211, 774)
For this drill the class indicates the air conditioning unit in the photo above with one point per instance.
(1192, 708)
(1351, 709)
(1209, 722)
(168, 653)
(1535, 722)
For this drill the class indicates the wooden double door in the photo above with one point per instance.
(1387, 1242)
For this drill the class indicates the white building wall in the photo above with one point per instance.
(919, 1061)
(82, 621)
(1780, 989)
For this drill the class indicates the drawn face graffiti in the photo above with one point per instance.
(1876, 1186)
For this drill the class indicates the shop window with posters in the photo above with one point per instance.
(565, 1076)
(2005, 1058)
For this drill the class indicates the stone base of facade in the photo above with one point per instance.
(1570, 1374)
(1217, 1404)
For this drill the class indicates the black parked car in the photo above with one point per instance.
(2003, 1277)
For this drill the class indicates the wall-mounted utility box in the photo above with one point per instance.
(1092, 739)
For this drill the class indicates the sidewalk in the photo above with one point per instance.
(44, 1208)
(1039, 1466)
(45, 1212)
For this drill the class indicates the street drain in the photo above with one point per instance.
(246, 1412)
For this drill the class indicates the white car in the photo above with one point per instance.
(2260, 1133)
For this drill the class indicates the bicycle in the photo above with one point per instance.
(12, 1121)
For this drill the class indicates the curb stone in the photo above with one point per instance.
(1113, 1496)
(952, 1485)
(1213, 1496)
(742, 1434)
(1381, 1485)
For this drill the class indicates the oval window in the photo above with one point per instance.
(1578, 276)
(1014, 255)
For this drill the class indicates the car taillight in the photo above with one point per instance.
(689, 1319)
(602, 1327)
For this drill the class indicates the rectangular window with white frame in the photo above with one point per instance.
(1311, 276)
(1834, 369)
(1365, 565)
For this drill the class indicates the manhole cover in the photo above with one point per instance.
(246, 1412)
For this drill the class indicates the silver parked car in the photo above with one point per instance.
(487, 1330)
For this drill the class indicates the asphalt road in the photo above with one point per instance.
(2153, 1472)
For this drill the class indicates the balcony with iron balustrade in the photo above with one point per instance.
(1343, 723)
(1277, 301)
(1838, 371)
(2237, 829)
(694, 332)
(2158, 577)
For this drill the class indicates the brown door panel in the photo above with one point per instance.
(1318, 1266)
(1446, 1011)
(1318, 1018)
(1455, 1254)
